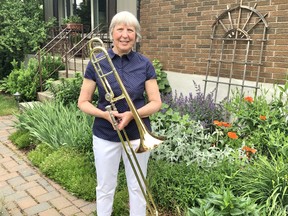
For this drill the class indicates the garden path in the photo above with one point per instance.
(25, 191)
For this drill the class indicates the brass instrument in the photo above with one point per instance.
(148, 141)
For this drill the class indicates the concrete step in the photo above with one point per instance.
(45, 96)
(76, 64)
(62, 73)
(27, 105)
(73, 63)
(71, 73)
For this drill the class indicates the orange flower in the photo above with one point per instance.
(248, 149)
(262, 117)
(226, 124)
(232, 135)
(218, 123)
(248, 99)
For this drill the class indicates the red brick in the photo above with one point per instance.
(199, 16)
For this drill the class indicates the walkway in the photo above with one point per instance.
(24, 191)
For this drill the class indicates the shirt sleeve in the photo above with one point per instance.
(151, 73)
(90, 72)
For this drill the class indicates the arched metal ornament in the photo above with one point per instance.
(238, 38)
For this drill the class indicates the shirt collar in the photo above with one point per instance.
(129, 56)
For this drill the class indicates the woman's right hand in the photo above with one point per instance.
(107, 116)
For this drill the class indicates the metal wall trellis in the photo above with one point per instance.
(236, 49)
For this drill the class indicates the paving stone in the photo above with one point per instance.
(16, 196)
(34, 177)
(3, 184)
(88, 209)
(48, 196)
(26, 202)
(18, 180)
(36, 209)
(79, 203)
(19, 168)
(26, 185)
(71, 210)
(15, 212)
(4, 150)
(8, 176)
(49, 212)
(5, 159)
(10, 164)
(60, 202)
(81, 214)
(36, 191)
(6, 191)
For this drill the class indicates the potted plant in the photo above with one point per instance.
(73, 22)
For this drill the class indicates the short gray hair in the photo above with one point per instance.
(125, 17)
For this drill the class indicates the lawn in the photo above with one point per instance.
(8, 105)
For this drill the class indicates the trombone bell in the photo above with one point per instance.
(149, 142)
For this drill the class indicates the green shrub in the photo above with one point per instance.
(8, 104)
(23, 80)
(50, 65)
(163, 83)
(24, 141)
(71, 169)
(26, 79)
(121, 203)
(39, 154)
(14, 136)
(68, 90)
(177, 186)
(223, 202)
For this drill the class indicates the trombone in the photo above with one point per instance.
(148, 141)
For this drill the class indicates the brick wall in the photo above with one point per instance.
(178, 34)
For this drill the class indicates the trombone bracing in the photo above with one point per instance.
(148, 141)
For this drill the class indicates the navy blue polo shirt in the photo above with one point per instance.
(134, 70)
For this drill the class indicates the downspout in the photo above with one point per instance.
(138, 17)
(55, 9)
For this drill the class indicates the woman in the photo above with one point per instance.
(138, 76)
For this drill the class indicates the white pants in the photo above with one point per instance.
(107, 156)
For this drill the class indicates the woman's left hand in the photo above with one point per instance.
(123, 119)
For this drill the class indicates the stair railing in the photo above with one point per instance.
(62, 40)
(81, 48)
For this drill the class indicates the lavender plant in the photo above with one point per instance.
(199, 107)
